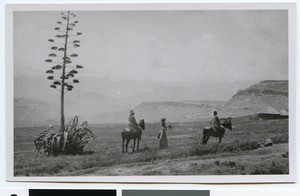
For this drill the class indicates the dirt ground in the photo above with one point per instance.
(208, 165)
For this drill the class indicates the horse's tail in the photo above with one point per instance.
(123, 134)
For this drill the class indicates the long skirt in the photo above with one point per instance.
(163, 140)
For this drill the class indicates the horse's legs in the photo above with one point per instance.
(207, 138)
(220, 139)
(127, 141)
(138, 143)
(203, 140)
(123, 144)
(133, 145)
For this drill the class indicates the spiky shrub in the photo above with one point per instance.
(71, 141)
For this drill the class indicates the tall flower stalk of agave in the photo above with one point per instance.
(63, 72)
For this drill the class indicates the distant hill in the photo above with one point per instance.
(133, 92)
(176, 111)
(33, 112)
(96, 108)
(269, 96)
(266, 94)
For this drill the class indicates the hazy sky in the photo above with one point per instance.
(164, 46)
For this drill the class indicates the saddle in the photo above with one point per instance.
(216, 130)
(130, 130)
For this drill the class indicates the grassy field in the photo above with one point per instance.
(239, 154)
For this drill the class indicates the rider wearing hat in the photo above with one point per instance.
(133, 125)
(215, 122)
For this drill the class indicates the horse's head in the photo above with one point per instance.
(227, 124)
(142, 124)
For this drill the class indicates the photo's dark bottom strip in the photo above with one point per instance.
(165, 193)
(71, 192)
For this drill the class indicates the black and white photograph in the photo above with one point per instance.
(154, 95)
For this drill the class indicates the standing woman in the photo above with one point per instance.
(162, 135)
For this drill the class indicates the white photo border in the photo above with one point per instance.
(292, 47)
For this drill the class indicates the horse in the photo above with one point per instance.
(210, 131)
(128, 134)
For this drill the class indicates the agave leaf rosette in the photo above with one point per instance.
(76, 137)
(72, 141)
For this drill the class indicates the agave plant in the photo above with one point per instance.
(71, 141)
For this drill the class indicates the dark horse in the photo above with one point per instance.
(135, 135)
(210, 131)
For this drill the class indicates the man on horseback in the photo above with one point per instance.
(133, 125)
(215, 122)
(216, 129)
